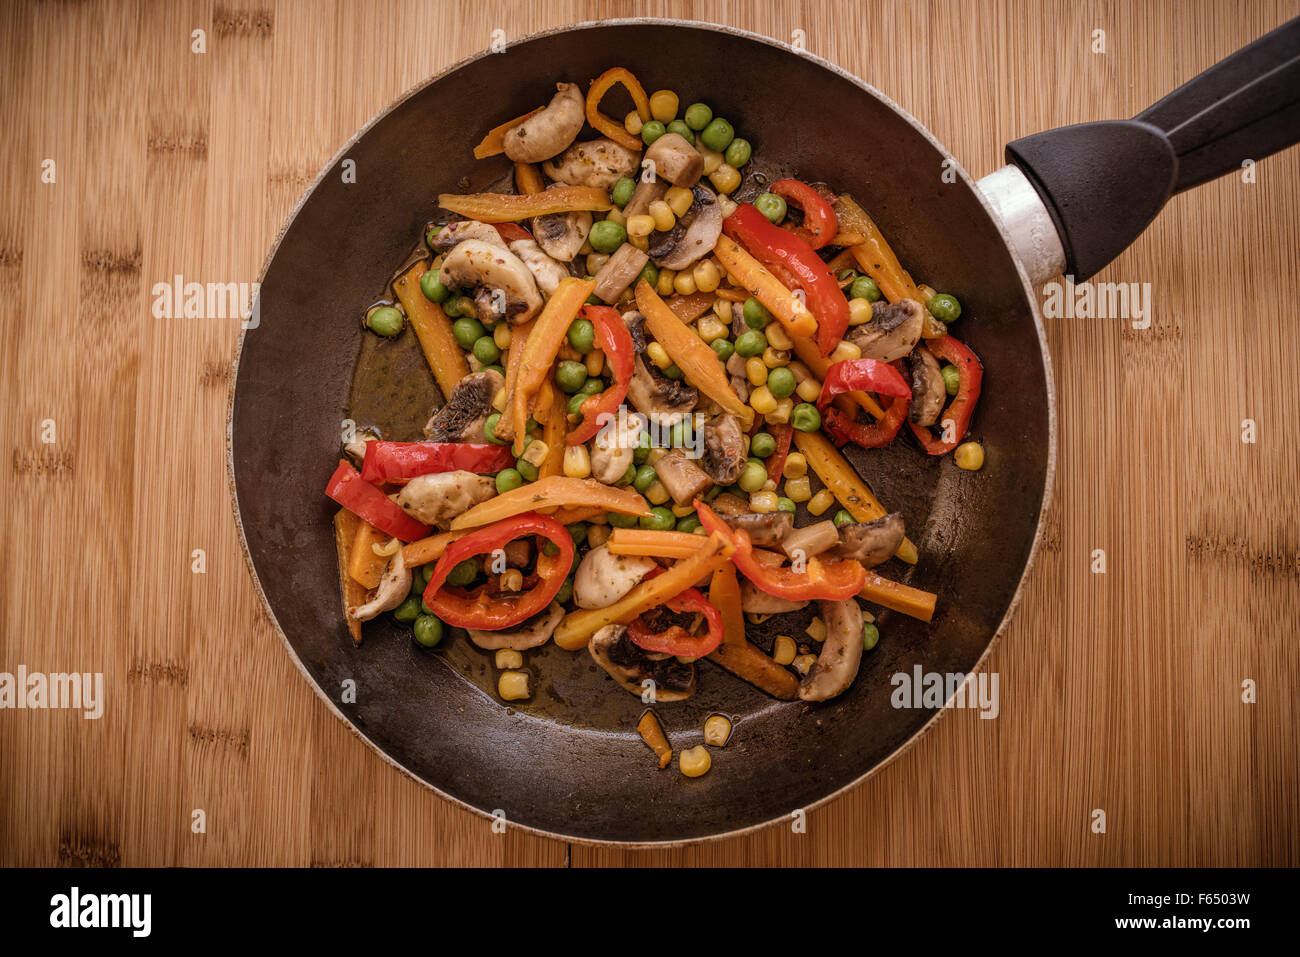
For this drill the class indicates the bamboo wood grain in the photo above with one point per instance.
(1119, 691)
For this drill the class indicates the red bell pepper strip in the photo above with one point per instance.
(779, 249)
(955, 419)
(483, 609)
(776, 461)
(349, 489)
(831, 581)
(820, 224)
(843, 428)
(676, 640)
(400, 461)
(869, 375)
(616, 342)
(512, 232)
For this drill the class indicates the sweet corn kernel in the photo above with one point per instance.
(595, 362)
(658, 356)
(717, 729)
(926, 292)
(655, 455)
(515, 685)
(969, 456)
(711, 328)
(656, 494)
(777, 337)
(586, 248)
(662, 215)
(859, 311)
(577, 462)
(501, 336)
(761, 400)
(783, 650)
(640, 242)
(632, 123)
(845, 351)
(595, 263)
(809, 389)
(535, 453)
(512, 579)
(665, 285)
(597, 535)
(695, 761)
(726, 206)
(722, 311)
(803, 664)
(712, 159)
(781, 414)
(616, 215)
(756, 619)
(816, 630)
(568, 352)
(764, 502)
(820, 502)
(726, 178)
(679, 199)
(707, 277)
(639, 226)
(798, 489)
(499, 400)
(755, 371)
(507, 658)
(663, 105)
(773, 358)
(796, 466)
(769, 486)
(681, 511)
(684, 283)
(474, 364)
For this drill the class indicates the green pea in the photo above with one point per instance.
(628, 477)
(490, 427)
(428, 631)
(780, 382)
(846, 275)
(753, 477)
(550, 549)
(431, 235)
(772, 206)
(645, 477)
(467, 332)
(844, 517)
(464, 306)
(805, 418)
(426, 573)
(762, 445)
(712, 493)
(622, 192)
(682, 434)
(870, 635)
(718, 134)
(617, 520)
(424, 607)
(681, 129)
(652, 131)
(642, 451)
(592, 386)
(650, 274)
(864, 287)
(385, 321)
(486, 351)
(606, 236)
(565, 592)
(756, 314)
(673, 372)
(738, 153)
(582, 335)
(571, 376)
(660, 519)
(688, 523)
(408, 610)
(786, 505)
(433, 290)
(527, 469)
(508, 480)
(723, 348)
(750, 343)
(494, 368)
(697, 116)
(945, 308)
(951, 379)
(464, 573)
(575, 402)
(593, 299)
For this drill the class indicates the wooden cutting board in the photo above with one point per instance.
(1119, 692)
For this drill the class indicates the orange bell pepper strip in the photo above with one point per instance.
(901, 598)
(494, 143)
(610, 127)
(558, 491)
(365, 567)
(527, 179)
(652, 544)
(539, 351)
(512, 207)
(352, 592)
(873, 253)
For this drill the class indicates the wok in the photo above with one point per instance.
(569, 763)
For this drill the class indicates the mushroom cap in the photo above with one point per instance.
(613, 650)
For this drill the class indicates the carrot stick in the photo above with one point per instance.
(433, 329)
(873, 253)
(558, 491)
(512, 207)
(652, 733)
(494, 144)
(766, 288)
(637, 541)
(554, 427)
(543, 345)
(505, 430)
(527, 179)
(736, 653)
(901, 598)
(425, 550)
(350, 591)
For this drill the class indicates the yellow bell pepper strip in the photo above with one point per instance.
(699, 364)
(652, 733)
(874, 254)
(610, 127)
(766, 288)
(494, 143)
(351, 591)
(554, 426)
(512, 207)
(559, 491)
(819, 365)
(430, 549)
(838, 476)
(901, 598)
(527, 179)
(365, 567)
(736, 653)
(432, 327)
(505, 430)
(652, 544)
(539, 352)
(577, 627)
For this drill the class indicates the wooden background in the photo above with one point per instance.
(1120, 691)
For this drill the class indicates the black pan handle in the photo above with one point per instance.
(1103, 183)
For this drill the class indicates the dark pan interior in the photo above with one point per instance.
(570, 762)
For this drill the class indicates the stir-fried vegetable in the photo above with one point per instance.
(539, 352)
(433, 329)
(512, 207)
(349, 489)
(352, 591)
(954, 420)
(736, 653)
(494, 143)
(556, 492)
(399, 461)
(365, 565)
(766, 288)
(675, 640)
(616, 343)
(611, 128)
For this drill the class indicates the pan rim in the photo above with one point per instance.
(1044, 353)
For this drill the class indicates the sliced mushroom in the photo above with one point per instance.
(675, 160)
(561, 235)
(603, 578)
(437, 499)
(892, 332)
(531, 633)
(474, 264)
(356, 449)
(811, 539)
(600, 163)
(549, 132)
(619, 272)
(841, 653)
(693, 236)
(928, 390)
(681, 477)
(467, 409)
(613, 449)
(393, 588)
(651, 392)
(646, 192)
(871, 542)
(768, 528)
(453, 234)
(724, 449)
(729, 504)
(630, 666)
(547, 273)
(755, 601)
